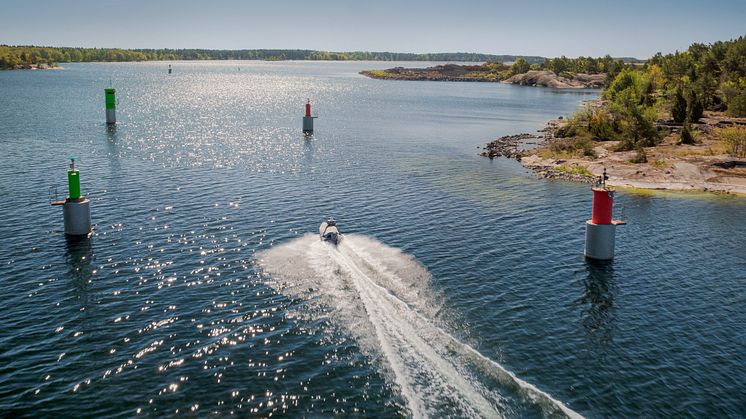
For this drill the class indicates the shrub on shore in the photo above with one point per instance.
(686, 136)
(640, 157)
(735, 140)
(574, 170)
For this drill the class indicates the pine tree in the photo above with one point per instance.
(694, 107)
(678, 111)
(686, 136)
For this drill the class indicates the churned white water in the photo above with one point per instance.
(383, 298)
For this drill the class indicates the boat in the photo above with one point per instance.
(329, 232)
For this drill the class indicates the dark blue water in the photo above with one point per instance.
(198, 292)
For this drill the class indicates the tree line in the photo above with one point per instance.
(674, 88)
(567, 67)
(19, 56)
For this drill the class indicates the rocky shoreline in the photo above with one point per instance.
(34, 67)
(672, 166)
(507, 146)
(519, 146)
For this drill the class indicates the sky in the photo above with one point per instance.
(572, 28)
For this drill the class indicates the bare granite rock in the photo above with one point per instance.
(549, 79)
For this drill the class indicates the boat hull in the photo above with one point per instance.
(330, 233)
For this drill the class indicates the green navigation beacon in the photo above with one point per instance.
(110, 95)
(76, 209)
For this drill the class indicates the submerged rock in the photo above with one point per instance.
(507, 146)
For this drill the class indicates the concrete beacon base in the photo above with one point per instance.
(599, 241)
(77, 215)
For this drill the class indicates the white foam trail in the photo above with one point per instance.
(382, 296)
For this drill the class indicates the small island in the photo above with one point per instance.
(560, 73)
(676, 123)
(485, 73)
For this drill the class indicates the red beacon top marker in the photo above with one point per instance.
(308, 108)
(602, 211)
(603, 201)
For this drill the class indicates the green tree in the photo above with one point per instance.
(686, 136)
(520, 66)
(678, 110)
(737, 105)
(694, 107)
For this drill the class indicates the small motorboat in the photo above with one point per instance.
(329, 232)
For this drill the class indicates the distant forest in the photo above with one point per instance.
(26, 56)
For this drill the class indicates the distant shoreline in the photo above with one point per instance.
(12, 56)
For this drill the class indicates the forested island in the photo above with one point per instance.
(18, 57)
(560, 72)
(676, 122)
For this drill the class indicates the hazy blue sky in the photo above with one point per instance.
(535, 27)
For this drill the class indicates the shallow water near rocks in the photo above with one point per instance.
(200, 291)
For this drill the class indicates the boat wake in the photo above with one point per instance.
(381, 296)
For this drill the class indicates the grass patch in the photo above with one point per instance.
(660, 164)
(482, 75)
(577, 146)
(716, 148)
(546, 153)
(574, 170)
(380, 74)
(640, 156)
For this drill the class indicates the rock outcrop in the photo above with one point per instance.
(549, 79)
(443, 72)
(507, 146)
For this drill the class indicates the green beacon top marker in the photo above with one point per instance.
(73, 180)
(111, 99)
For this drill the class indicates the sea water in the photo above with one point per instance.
(458, 290)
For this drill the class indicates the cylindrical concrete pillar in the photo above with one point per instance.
(308, 124)
(599, 240)
(77, 214)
